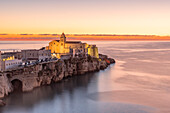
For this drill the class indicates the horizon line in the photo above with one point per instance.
(97, 34)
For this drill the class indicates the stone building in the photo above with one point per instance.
(34, 54)
(17, 55)
(63, 47)
(9, 64)
(93, 51)
(8, 61)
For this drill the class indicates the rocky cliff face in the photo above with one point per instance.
(48, 72)
(5, 85)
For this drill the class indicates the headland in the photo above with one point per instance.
(25, 70)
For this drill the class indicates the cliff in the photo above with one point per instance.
(5, 86)
(27, 78)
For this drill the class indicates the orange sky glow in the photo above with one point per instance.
(85, 37)
(132, 17)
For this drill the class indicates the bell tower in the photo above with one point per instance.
(62, 43)
(63, 38)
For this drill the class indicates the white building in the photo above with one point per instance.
(33, 54)
(9, 64)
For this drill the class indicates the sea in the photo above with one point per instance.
(139, 82)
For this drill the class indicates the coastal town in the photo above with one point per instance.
(26, 69)
(57, 49)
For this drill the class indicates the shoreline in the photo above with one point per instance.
(49, 72)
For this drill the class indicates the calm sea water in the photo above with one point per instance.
(139, 82)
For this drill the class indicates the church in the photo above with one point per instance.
(63, 47)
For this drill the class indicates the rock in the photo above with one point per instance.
(2, 103)
(49, 72)
(112, 61)
(5, 86)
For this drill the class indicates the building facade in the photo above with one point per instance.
(8, 61)
(9, 64)
(93, 51)
(17, 55)
(34, 55)
(61, 47)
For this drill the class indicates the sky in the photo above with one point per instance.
(142, 17)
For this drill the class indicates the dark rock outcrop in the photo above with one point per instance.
(49, 72)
